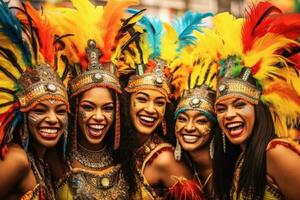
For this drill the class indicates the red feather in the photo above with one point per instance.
(43, 29)
(295, 59)
(253, 21)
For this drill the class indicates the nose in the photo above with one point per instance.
(230, 114)
(150, 108)
(190, 126)
(98, 115)
(51, 117)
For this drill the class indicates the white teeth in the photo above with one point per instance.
(233, 125)
(96, 126)
(148, 119)
(48, 130)
(190, 138)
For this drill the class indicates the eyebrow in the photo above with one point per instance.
(88, 101)
(143, 94)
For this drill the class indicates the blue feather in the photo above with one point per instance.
(154, 29)
(186, 25)
(12, 28)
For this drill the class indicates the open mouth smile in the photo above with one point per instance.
(235, 129)
(49, 133)
(190, 138)
(147, 120)
(96, 130)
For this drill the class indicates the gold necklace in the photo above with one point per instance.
(202, 186)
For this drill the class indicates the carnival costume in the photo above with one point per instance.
(94, 30)
(146, 58)
(195, 84)
(28, 76)
(256, 60)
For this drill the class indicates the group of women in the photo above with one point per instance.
(103, 102)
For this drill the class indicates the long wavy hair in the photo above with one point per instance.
(252, 181)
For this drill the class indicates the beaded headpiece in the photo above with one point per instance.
(152, 51)
(257, 61)
(28, 72)
(95, 31)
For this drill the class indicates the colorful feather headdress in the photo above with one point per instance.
(196, 82)
(256, 60)
(95, 31)
(154, 49)
(27, 66)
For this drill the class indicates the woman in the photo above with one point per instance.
(195, 117)
(96, 167)
(256, 85)
(149, 94)
(34, 105)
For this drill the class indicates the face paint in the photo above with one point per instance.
(193, 130)
(147, 110)
(47, 122)
(96, 114)
(236, 118)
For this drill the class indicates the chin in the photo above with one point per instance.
(48, 144)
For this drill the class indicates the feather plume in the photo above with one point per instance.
(12, 29)
(186, 25)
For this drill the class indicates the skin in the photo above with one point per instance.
(194, 123)
(96, 116)
(18, 177)
(282, 162)
(232, 111)
(151, 103)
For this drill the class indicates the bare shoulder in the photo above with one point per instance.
(164, 157)
(15, 165)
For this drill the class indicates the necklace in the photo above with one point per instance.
(202, 186)
(93, 159)
(143, 151)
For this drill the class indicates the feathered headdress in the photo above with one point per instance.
(256, 62)
(152, 53)
(27, 66)
(95, 31)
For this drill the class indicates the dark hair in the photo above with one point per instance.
(252, 181)
(124, 154)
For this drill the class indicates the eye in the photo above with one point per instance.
(108, 108)
(181, 119)
(160, 103)
(220, 109)
(141, 99)
(239, 104)
(202, 121)
(61, 111)
(87, 107)
(39, 110)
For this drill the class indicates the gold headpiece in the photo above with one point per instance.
(96, 75)
(154, 80)
(242, 85)
(39, 84)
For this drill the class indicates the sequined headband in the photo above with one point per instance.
(40, 84)
(95, 76)
(200, 99)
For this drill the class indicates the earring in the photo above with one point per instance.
(211, 149)
(65, 143)
(164, 127)
(24, 134)
(177, 152)
(224, 142)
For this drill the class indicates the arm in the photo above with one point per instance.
(283, 165)
(14, 167)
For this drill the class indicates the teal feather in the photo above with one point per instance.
(186, 25)
(11, 27)
(154, 29)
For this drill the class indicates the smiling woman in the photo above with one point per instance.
(33, 104)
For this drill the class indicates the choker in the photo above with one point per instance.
(93, 159)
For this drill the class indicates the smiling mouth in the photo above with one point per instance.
(147, 120)
(235, 129)
(49, 133)
(96, 130)
(190, 138)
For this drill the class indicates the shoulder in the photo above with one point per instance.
(18, 157)
(282, 154)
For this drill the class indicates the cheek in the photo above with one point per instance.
(220, 118)
(82, 116)
(63, 120)
(34, 119)
(178, 127)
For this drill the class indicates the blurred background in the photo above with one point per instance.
(166, 9)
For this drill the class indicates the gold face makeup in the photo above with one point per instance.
(192, 129)
(47, 121)
(95, 114)
(236, 118)
(147, 110)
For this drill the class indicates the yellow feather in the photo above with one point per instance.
(169, 44)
